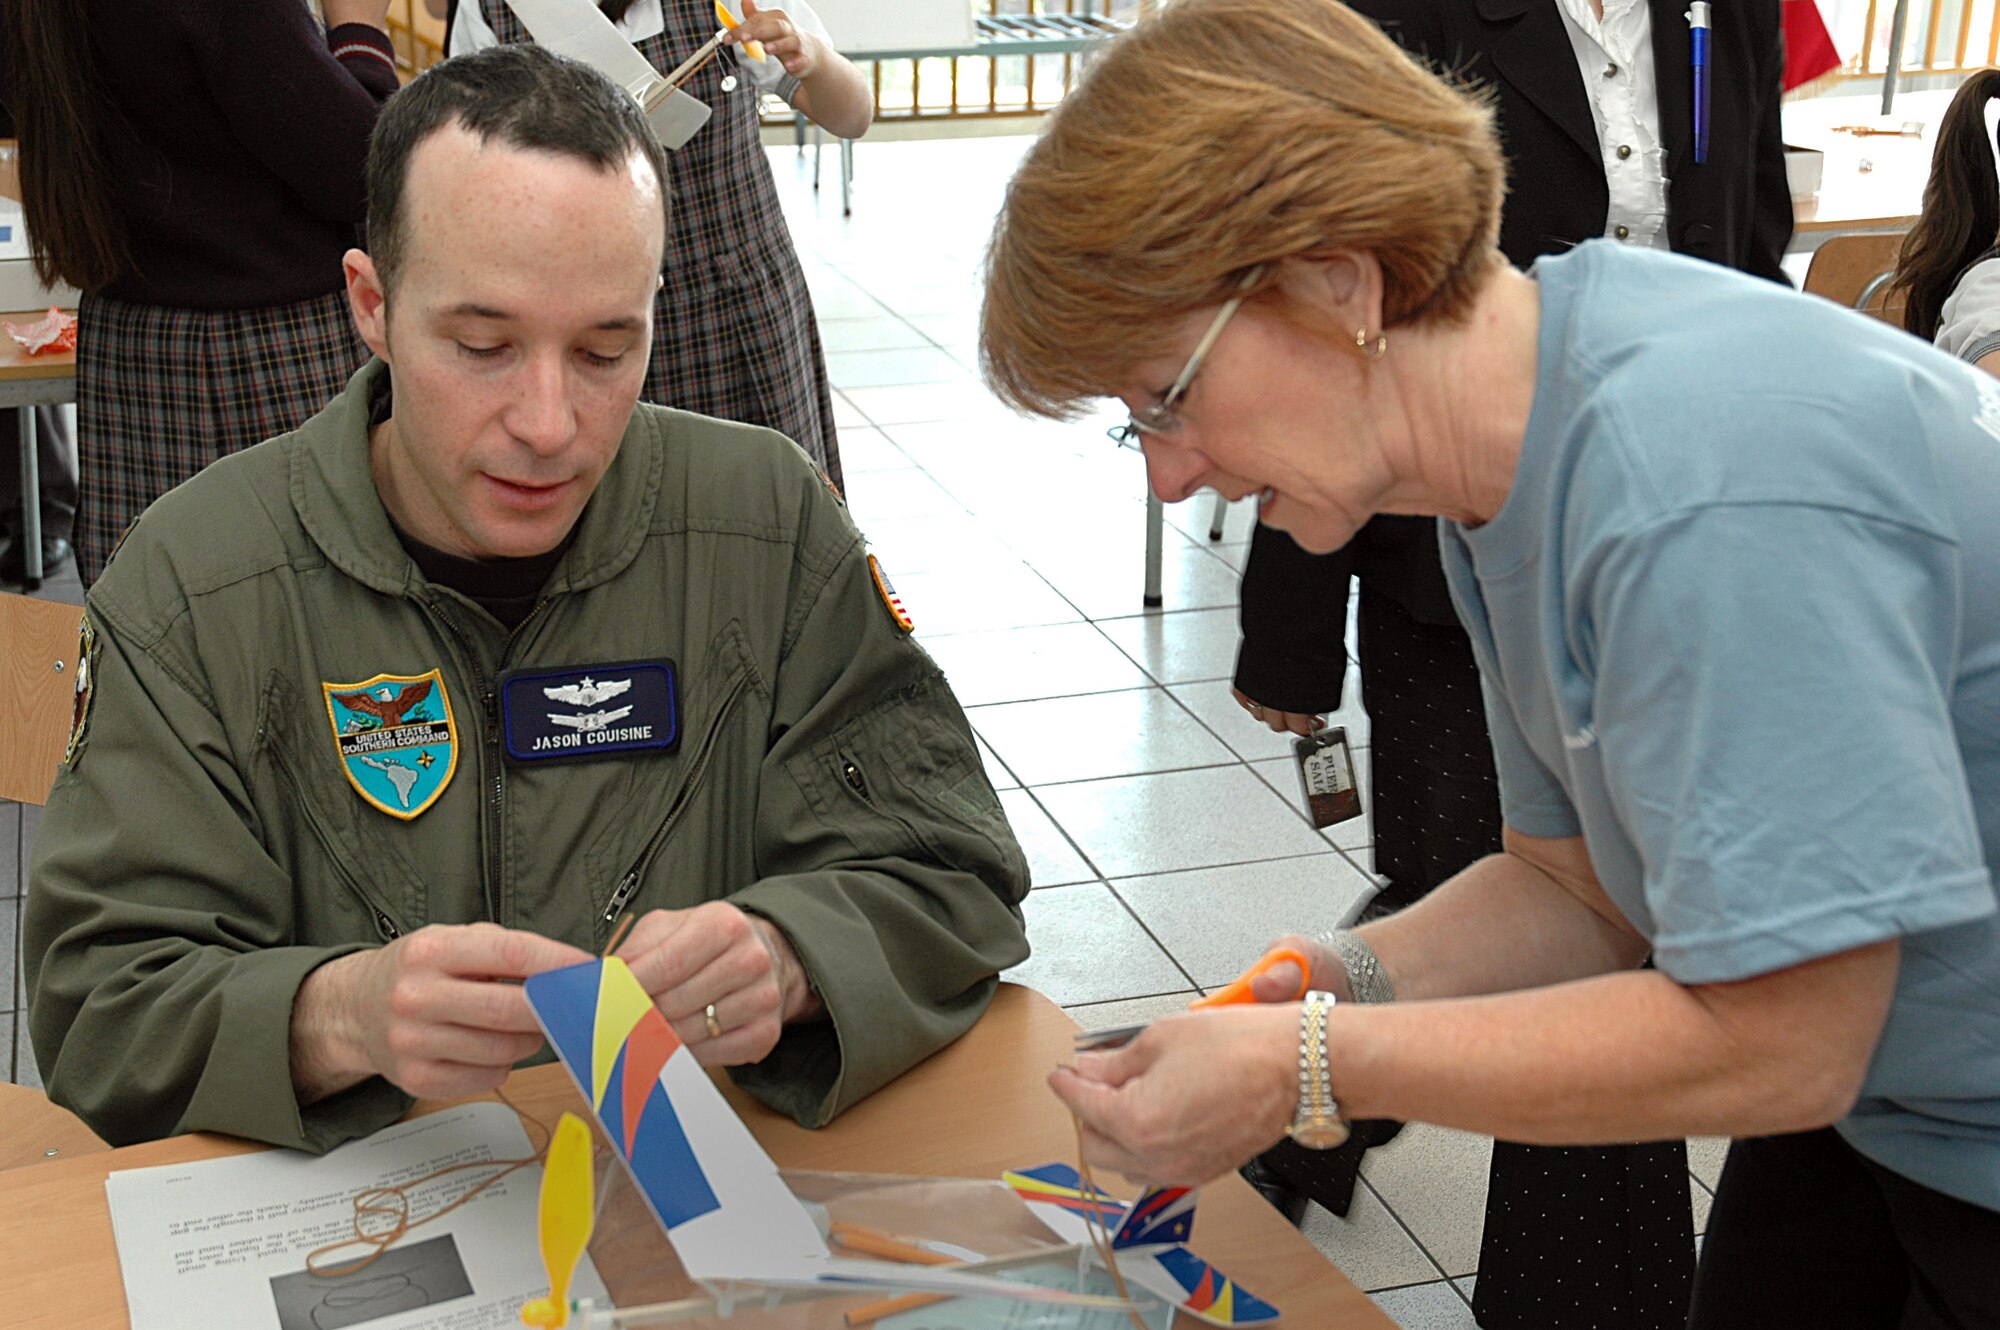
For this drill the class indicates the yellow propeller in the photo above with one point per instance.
(568, 1210)
(755, 50)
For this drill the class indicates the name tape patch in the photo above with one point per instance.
(580, 712)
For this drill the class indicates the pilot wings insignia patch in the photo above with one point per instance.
(397, 740)
(585, 712)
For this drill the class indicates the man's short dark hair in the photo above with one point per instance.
(522, 96)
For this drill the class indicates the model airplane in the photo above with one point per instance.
(580, 30)
(732, 1221)
(1149, 1242)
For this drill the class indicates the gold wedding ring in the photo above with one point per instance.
(708, 1019)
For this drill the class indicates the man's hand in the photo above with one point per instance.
(1282, 722)
(438, 1013)
(799, 52)
(715, 955)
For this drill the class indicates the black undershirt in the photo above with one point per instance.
(507, 589)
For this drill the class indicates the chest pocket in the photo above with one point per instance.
(686, 827)
(352, 880)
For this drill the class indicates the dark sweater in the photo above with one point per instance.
(239, 157)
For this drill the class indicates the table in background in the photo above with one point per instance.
(973, 1110)
(27, 382)
(1890, 193)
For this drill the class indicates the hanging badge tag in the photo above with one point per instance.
(1326, 774)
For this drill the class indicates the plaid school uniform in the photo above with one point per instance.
(163, 392)
(734, 334)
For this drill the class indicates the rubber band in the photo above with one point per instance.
(394, 1203)
(1093, 1221)
(391, 1205)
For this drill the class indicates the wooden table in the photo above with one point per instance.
(973, 1110)
(27, 382)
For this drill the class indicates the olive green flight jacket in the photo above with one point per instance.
(203, 848)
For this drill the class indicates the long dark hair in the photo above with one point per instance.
(64, 119)
(1961, 218)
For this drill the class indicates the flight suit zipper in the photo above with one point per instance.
(386, 926)
(697, 765)
(493, 795)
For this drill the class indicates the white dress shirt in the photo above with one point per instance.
(1615, 53)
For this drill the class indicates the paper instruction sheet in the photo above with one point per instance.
(224, 1241)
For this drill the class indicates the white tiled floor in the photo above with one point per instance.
(1162, 828)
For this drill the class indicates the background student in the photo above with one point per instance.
(1949, 270)
(195, 171)
(733, 328)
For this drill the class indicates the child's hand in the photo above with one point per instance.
(797, 51)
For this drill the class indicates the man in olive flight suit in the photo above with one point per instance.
(382, 716)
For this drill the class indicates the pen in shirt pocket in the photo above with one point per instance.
(1698, 31)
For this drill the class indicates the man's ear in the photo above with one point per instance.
(1340, 289)
(367, 301)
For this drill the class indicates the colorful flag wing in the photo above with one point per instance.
(711, 1186)
(1177, 1274)
(1148, 1247)
(1057, 1196)
(1163, 1216)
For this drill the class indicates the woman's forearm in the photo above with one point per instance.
(1623, 1057)
(1533, 915)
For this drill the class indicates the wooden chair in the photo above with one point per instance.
(1855, 270)
(38, 641)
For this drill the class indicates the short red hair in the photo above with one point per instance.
(1218, 135)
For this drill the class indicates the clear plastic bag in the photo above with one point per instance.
(959, 1217)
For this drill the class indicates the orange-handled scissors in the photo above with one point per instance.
(1238, 989)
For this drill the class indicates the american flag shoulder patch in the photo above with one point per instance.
(887, 590)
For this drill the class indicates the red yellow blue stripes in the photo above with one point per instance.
(1059, 1185)
(1211, 1293)
(616, 1044)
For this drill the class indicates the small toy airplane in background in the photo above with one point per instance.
(580, 30)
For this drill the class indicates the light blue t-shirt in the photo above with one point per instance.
(1738, 623)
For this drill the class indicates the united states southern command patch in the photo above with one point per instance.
(396, 738)
(887, 590)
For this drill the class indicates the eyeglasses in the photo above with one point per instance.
(1159, 417)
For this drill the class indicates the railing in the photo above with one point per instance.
(978, 87)
(1939, 37)
(937, 88)
(417, 37)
